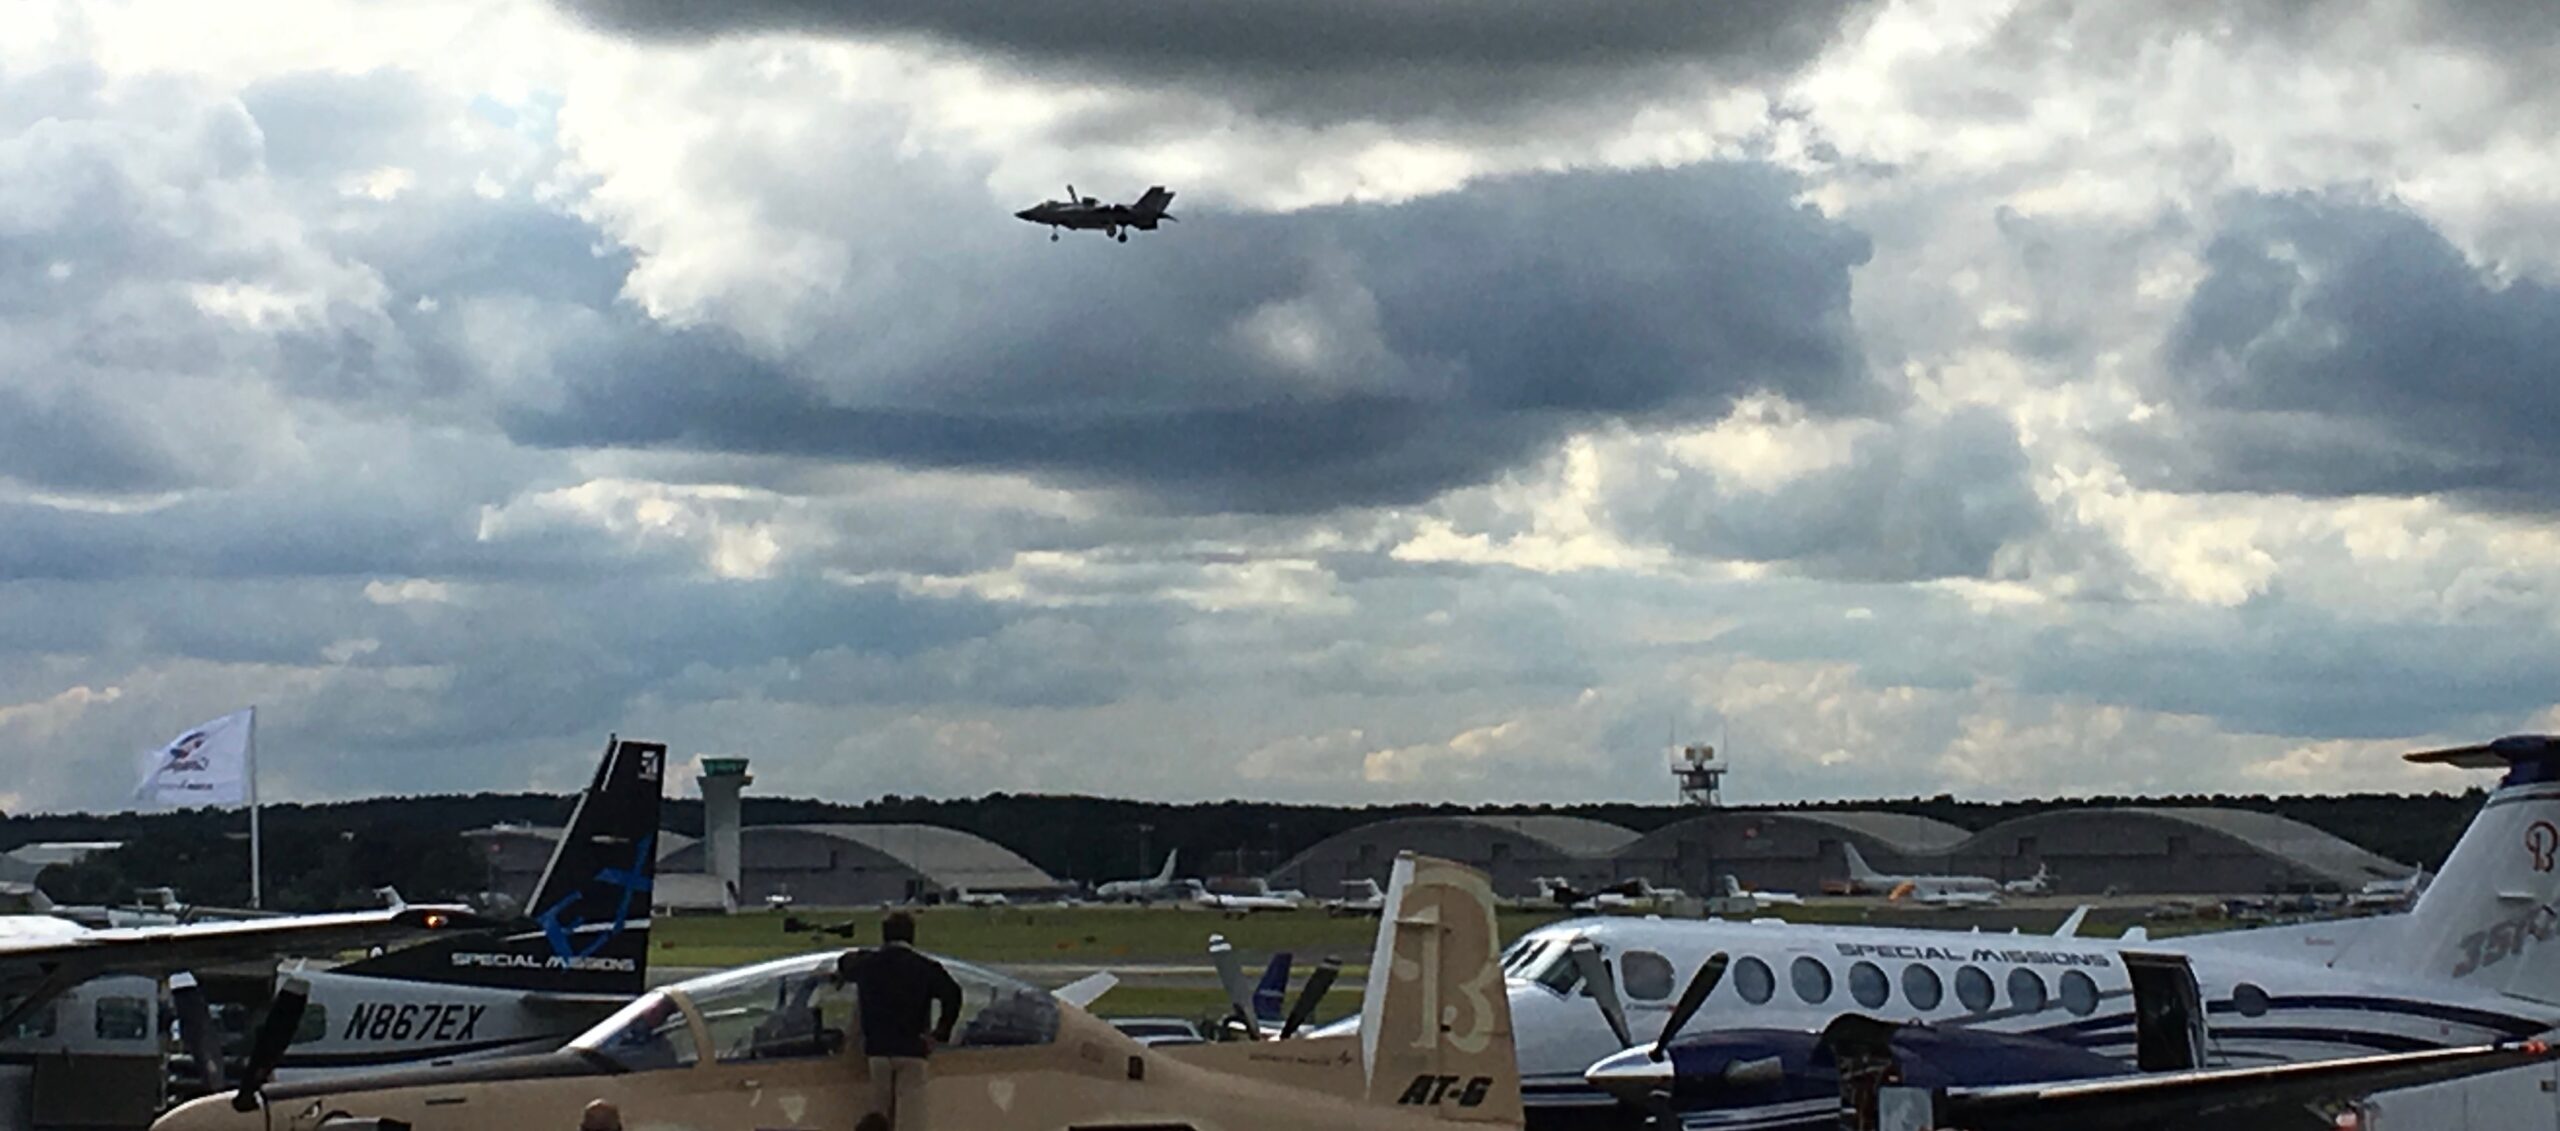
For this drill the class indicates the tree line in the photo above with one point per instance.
(338, 854)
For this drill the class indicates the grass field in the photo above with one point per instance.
(1130, 940)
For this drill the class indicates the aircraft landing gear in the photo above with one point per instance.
(1122, 237)
(1053, 237)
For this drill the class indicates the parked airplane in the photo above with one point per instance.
(583, 953)
(2464, 968)
(1864, 880)
(1943, 899)
(1734, 899)
(1359, 897)
(1084, 213)
(774, 1045)
(1234, 904)
(1625, 895)
(42, 956)
(1162, 885)
(2037, 884)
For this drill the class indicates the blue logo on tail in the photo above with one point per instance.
(631, 881)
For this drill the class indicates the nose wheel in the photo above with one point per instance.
(1053, 237)
(1122, 237)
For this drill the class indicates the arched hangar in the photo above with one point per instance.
(2172, 851)
(1513, 850)
(827, 865)
(1789, 850)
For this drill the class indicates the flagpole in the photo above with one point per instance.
(254, 894)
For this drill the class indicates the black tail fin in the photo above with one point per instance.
(589, 929)
(1155, 201)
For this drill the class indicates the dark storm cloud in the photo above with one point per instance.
(1454, 60)
(2276, 668)
(1287, 363)
(2340, 346)
(1918, 502)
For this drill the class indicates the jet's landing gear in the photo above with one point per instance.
(1122, 237)
(1053, 237)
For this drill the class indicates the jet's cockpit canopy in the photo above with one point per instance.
(793, 1007)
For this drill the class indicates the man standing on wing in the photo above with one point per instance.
(896, 987)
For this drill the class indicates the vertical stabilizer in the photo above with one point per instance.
(1435, 1022)
(589, 932)
(1165, 874)
(1858, 869)
(2491, 917)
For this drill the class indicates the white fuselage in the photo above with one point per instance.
(356, 1021)
(2269, 998)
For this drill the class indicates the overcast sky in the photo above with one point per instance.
(2001, 397)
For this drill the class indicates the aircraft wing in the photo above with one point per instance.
(2274, 1096)
(44, 965)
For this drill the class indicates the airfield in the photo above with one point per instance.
(1160, 953)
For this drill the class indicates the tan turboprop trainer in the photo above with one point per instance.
(774, 1046)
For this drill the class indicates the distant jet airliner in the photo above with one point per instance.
(1084, 213)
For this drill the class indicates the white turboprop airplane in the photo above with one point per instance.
(42, 956)
(1734, 899)
(1162, 886)
(2465, 968)
(1864, 880)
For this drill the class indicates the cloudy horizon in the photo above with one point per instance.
(2005, 398)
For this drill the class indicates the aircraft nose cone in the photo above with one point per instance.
(1630, 1075)
(1025, 214)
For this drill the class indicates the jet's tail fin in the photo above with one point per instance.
(2491, 917)
(1732, 887)
(1154, 202)
(590, 912)
(1271, 995)
(1858, 869)
(1435, 1021)
(1164, 875)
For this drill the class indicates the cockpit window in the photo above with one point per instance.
(786, 1014)
(1521, 955)
(650, 1033)
(996, 1010)
(1553, 968)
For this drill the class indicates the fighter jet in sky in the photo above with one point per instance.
(1084, 213)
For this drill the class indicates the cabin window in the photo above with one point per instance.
(1973, 988)
(1645, 975)
(2079, 994)
(1812, 980)
(1753, 980)
(2026, 989)
(1921, 987)
(2249, 1000)
(123, 1019)
(1868, 984)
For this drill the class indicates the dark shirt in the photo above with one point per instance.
(897, 987)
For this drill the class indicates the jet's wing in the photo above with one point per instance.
(2274, 1096)
(42, 965)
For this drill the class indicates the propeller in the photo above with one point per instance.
(1704, 982)
(1231, 976)
(275, 1034)
(195, 1028)
(1310, 995)
(1603, 984)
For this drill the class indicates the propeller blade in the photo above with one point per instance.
(275, 1034)
(1701, 984)
(195, 1028)
(1231, 976)
(1585, 956)
(1309, 996)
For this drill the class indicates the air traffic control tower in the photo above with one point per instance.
(721, 781)
(1700, 776)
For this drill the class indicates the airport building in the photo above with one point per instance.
(855, 865)
(2171, 851)
(1783, 850)
(1514, 850)
(2087, 851)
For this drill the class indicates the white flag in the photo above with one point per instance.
(208, 765)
